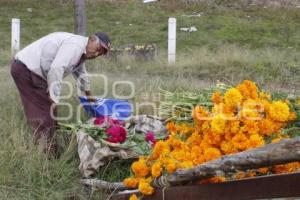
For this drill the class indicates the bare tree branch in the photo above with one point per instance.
(285, 151)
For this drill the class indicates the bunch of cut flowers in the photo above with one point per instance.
(110, 130)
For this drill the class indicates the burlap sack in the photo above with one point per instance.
(94, 154)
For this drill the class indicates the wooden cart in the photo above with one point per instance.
(264, 187)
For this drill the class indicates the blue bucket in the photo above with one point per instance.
(114, 108)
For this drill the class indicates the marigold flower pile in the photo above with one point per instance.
(241, 118)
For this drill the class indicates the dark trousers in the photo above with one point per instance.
(36, 103)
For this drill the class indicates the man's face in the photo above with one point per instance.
(94, 49)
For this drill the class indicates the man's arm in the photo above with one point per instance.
(83, 82)
(67, 55)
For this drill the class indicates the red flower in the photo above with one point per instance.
(99, 121)
(116, 134)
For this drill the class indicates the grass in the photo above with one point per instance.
(232, 44)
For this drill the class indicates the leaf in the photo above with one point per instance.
(142, 148)
(129, 144)
(68, 126)
(139, 137)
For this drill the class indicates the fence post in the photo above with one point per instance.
(172, 40)
(80, 17)
(15, 36)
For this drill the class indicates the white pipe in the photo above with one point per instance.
(172, 41)
(15, 36)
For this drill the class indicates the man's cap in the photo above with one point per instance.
(104, 40)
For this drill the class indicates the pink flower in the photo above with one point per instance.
(116, 134)
(150, 137)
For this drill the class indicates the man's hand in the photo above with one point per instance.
(91, 99)
(89, 96)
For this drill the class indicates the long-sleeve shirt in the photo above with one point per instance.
(55, 56)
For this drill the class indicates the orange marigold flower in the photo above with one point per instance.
(197, 155)
(211, 153)
(228, 110)
(156, 169)
(160, 148)
(229, 135)
(217, 98)
(234, 126)
(185, 165)
(180, 155)
(212, 138)
(145, 187)
(256, 141)
(131, 182)
(194, 139)
(286, 168)
(250, 173)
(248, 89)
(240, 141)
(263, 170)
(227, 147)
(133, 197)
(251, 127)
(279, 111)
(252, 109)
(233, 97)
(184, 129)
(204, 144)
(199, 113)
(217, 179)
(171, 127)
(176, 143)
(169, 164)
(198, 160)
(140, 168)
(218, 124)
(266, 127)
(239, 175)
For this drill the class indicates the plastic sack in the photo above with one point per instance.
(114, 108)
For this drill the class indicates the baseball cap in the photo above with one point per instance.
(104, 40)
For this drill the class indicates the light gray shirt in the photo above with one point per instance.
(55, 56)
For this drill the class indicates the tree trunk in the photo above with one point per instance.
(80, 17)
(285, 151)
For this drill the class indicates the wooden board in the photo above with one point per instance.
(271, 186)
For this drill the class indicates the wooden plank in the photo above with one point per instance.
(271, 186)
